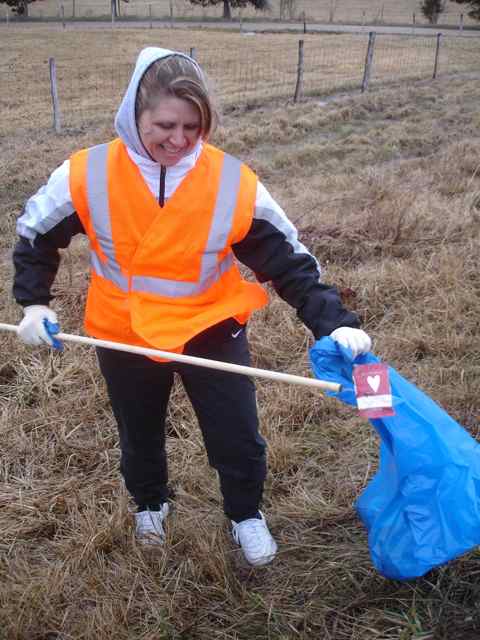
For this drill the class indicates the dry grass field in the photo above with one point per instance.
(388, 11)
(385, 190)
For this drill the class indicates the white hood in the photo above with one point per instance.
(125, 124)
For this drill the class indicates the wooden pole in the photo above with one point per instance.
(171, 14)
(193, 53)
(437, 56)
(368, 60)
(461, 22)
(299, 87)
(201, 362)
(150, 15)
(62, 13)
(53, 91)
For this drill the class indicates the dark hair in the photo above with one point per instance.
(177, 76)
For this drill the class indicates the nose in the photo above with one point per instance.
(178, 137)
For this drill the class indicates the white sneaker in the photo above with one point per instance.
(255, 540)
(149, 525)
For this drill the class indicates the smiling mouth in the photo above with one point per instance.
(170, 151)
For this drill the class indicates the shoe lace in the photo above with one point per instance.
(252, 529)
(150, 522)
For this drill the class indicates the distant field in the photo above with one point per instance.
(384, 188)
(390, 11)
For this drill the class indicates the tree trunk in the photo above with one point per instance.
(227, 13)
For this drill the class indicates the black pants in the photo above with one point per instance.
(225, 406)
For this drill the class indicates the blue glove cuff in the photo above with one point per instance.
(52, 328)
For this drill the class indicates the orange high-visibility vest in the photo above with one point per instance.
(161, 275)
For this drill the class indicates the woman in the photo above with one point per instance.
(166, 215)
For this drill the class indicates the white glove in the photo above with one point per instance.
(354, 339)
(31, 329)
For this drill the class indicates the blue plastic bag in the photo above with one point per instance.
(421, 509)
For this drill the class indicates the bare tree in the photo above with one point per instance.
(288, 8)
(116, 7)
(261, 5)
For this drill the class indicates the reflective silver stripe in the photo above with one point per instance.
(97, 195)
(109, 271)
(178, 288)
(211, 269)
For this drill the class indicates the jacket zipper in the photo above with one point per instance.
(161, 191)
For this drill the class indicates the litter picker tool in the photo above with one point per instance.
(201, 362)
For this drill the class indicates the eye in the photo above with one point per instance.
(192, 127)
(164, 125)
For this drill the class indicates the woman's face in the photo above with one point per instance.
(170, 130)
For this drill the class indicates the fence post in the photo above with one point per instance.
(7, 16)
(332, 11)
(193, 53)
(299, 88)
(304, 16)
(53, 90)
(368, 60)
(62, 12)
(113, 16)
(437, 55)
(150, 15)
(460, 26)
(73, 9)
(171, 14)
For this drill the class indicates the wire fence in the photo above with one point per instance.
(249, 71)
(321, 11)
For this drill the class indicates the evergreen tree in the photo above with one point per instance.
(474, 6)
(20, 7)
(432, 9)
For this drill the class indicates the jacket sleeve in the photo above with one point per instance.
(271, 249)
(46, 225)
